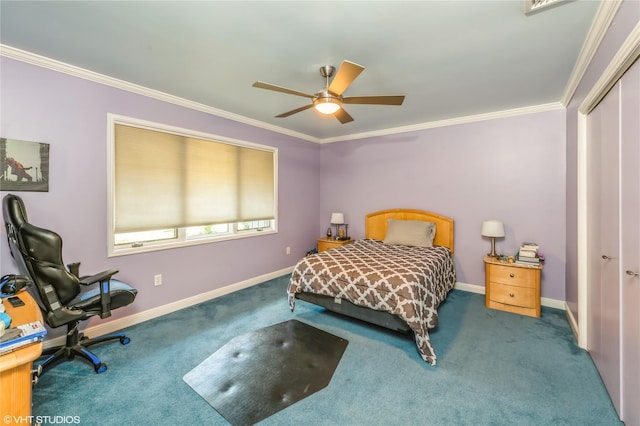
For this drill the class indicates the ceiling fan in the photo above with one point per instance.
(329, 100)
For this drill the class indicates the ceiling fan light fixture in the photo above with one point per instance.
(329, 100)
(326, 105)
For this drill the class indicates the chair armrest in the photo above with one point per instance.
(104, 275)
(104, 279)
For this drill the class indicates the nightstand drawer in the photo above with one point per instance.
(326, 244)
(513, 295)
(521, 277)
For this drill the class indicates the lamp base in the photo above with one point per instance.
(493, 248)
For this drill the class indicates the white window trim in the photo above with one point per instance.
(112, 250)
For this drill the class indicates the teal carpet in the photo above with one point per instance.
(493, 368)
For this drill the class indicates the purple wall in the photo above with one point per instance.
(626, 19)
(520, 170)
(511, 169)
(71, 114)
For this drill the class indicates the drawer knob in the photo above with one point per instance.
(511, 295)
(37, 371)
(512, 275)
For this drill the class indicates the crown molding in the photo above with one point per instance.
(451, 122)
(54, 65)
(628, 53)
(599, 27)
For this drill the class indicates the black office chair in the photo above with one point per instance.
(62, 295)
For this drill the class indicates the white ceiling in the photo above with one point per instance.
(449, 58)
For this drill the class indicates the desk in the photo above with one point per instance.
(16, 366)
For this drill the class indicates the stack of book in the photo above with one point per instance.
(528, 255)
(22, 335)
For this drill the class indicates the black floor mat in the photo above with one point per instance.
(260, 373)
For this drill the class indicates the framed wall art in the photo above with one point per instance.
(24, 166)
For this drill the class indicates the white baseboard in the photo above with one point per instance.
(471, 288)
(574, 324)
(119, 324)
(480, 289)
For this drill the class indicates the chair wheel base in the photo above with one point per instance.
(77, 345)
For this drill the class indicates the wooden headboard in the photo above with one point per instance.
(375, 224)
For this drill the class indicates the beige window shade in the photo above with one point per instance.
(165, 180)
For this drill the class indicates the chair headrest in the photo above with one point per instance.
(13, 210)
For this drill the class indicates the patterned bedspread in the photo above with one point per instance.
(409, 282)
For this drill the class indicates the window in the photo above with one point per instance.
(170, 187)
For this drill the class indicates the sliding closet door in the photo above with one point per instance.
(630, 217)
(605, 296)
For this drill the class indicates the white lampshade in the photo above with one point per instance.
(337, 218)
(492, 228)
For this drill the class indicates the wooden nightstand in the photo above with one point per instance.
(511, 287)
(328, 243)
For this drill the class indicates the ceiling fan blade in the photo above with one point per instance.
(343, 116)
(294, 111)
(263, 85)
(374, 100)
(344, 77)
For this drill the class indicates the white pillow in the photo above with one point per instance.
(410, 233)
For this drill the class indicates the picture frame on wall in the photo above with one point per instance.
(24, 165)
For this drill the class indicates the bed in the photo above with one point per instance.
(395, 277)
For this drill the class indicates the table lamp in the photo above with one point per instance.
(492, 229)
(337, 219)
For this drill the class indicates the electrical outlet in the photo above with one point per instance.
(157, 279)
(288, 250)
